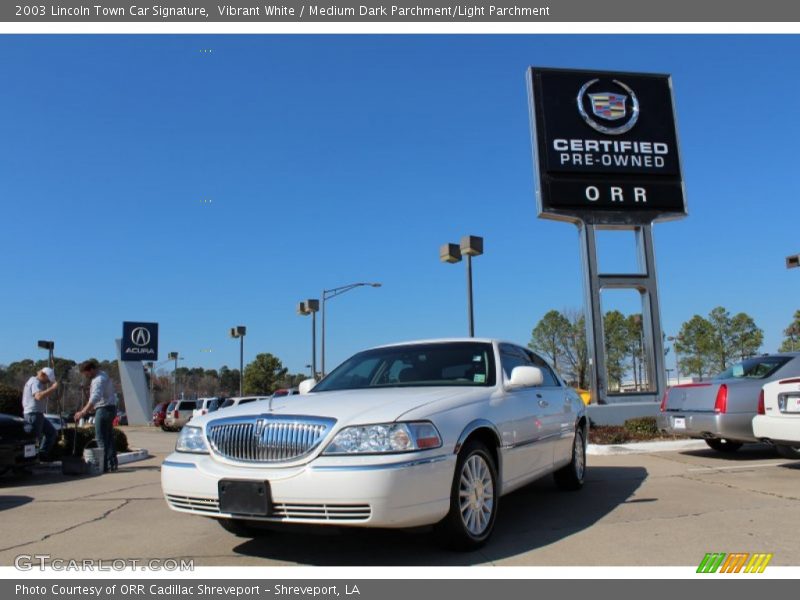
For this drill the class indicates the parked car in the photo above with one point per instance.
(205, 406)
(429, 432)
(121, 418)
(721, 411)
(17, 448)
(179, 413)
(159, 414)
(237, 400)
(778, 418)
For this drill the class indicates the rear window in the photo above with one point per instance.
(227, 403)
(759, 367)
(187, 405)
(171, 407)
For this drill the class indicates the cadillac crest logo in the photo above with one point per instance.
(608, 107)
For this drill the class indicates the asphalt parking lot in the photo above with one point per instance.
(666, 508)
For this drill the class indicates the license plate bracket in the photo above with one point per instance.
(241, 497)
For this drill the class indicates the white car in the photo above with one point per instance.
(429, 432)
(238, 400)
(205, 406)
(778, 418)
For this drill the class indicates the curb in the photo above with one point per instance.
(644, 447)
(124, 458)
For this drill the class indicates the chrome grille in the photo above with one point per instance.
(205, 505)
(322, 512)
(266, 438)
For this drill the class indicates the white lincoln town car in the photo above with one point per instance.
(428, 432)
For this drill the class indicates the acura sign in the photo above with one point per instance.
(606, 146)
(139, 341)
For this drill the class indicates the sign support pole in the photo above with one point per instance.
(645, 283)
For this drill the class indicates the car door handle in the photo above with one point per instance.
(543, 403)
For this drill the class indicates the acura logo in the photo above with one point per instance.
(609, 107)
(140, 336)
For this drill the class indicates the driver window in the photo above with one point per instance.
(511, 357)
(549, 378)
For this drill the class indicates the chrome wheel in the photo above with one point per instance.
(570, 476)
(476, 495)
(579, 455)
(473, 499)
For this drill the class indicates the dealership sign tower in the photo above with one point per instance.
(139, 342)
(606, 157)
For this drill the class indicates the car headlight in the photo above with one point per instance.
(385, 438)
(191, 439)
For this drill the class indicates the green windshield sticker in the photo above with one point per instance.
(480, 378)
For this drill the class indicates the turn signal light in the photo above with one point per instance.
(721, 404)
(761, 409)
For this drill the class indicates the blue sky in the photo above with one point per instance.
(144, 179)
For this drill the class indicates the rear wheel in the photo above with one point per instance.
(571, 476)
(789, 451)
(473, 500)
(723, 445)
(241, 528)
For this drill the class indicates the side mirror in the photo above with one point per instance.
(306, 385)
(523, 377)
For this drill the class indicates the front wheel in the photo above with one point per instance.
(570, 477)
(723, 445)
(473, 500)
(792, 452)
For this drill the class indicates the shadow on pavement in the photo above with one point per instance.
(745, 453)
(7, 502)
(530, 518)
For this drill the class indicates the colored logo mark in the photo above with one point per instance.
(737, 562)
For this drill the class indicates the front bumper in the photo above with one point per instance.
(12, 454)
(366, 491)
(778, 430)
(730, 426)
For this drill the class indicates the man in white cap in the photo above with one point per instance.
(34, 403)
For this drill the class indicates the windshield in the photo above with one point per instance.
(451, 364)
(754, 368)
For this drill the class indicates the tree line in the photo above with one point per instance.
(262, 377)
(703, 347)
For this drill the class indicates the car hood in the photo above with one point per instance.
(348, 407)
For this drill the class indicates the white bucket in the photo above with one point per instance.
(94, 458)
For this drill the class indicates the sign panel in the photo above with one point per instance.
(139, 341)
(606, 146)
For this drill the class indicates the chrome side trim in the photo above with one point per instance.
(181, 465)
(532, 441)
(402, 465)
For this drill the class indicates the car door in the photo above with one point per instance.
(532, 450)
(559, 410)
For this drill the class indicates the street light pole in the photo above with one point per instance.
(673, 339)
(332, 293)
(174, 356)
(311, 307)
(471, 245)
(48, 345)
(239, 332)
